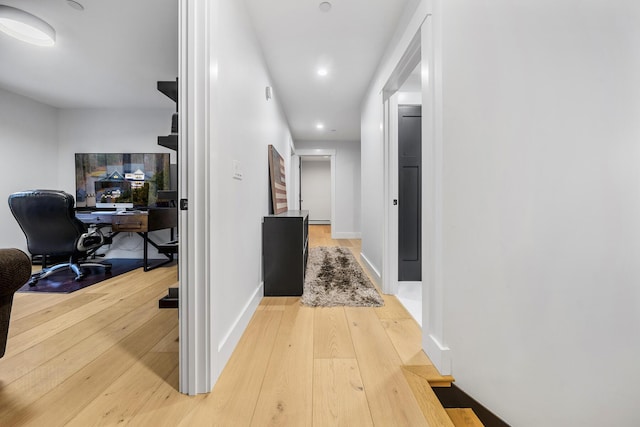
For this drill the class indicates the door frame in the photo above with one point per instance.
(427, 46)
(323, 162)
(405, 66)
(196, 364)
(296, 177)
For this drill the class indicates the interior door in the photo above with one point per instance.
(409, 193)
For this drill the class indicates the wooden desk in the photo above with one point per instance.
(140, 222)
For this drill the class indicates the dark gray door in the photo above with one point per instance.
(409, 192)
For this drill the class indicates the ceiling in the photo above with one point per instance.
(111, 54)
(349, 40)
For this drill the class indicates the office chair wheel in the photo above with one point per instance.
(80, 277)
(33, 281)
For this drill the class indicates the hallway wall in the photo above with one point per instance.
(242, 125)
(541, 181)
(542, 207)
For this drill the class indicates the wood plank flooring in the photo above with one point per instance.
(106, 355)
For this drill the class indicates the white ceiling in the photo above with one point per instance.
(349, 40)
(112, 54)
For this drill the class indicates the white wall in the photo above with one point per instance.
(102, 130)
(243, 124)
(315, 189)
(541, 200)
(542, 207)
(347, 222)
(28, 138)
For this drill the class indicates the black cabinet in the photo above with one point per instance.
(285, 248)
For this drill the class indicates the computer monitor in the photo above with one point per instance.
(121, 194)
(113, 195)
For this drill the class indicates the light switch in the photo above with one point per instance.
(237, 170)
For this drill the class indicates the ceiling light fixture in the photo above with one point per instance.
(322, 72)
(325, 6)
(320, 126)
(26, 27)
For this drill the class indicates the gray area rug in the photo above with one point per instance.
(334, 278)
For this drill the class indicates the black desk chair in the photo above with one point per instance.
(48, 220)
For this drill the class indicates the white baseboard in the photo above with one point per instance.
(372, 270)
(438, 353)
(345, 235)
(319, 222)
(230, 340)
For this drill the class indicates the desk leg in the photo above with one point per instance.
(145, 256)
(147, 241)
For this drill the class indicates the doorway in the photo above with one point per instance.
(424, 49)
(317, 154)
(315, 188)
(403, 215)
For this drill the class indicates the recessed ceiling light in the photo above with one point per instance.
(325, 6)
(320, 126)
(323, 72)
(26, 27)
(75, 5)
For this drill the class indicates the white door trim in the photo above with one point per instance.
(427, 46)
(433, 338)
(196, 365)
(332, 157)
(390, 232)
(403, 69)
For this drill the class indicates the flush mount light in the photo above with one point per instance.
(26, 27)
(325, 6)
(320, 126)
(322, 72)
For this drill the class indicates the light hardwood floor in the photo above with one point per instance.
(106, 355)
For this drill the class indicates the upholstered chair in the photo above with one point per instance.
(15, 270)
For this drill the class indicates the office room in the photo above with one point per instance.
(94, 92)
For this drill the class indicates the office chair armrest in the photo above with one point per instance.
(90, 240)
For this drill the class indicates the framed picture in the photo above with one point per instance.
(278, 181)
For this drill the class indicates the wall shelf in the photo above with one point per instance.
(170, 89)
(169, 141)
